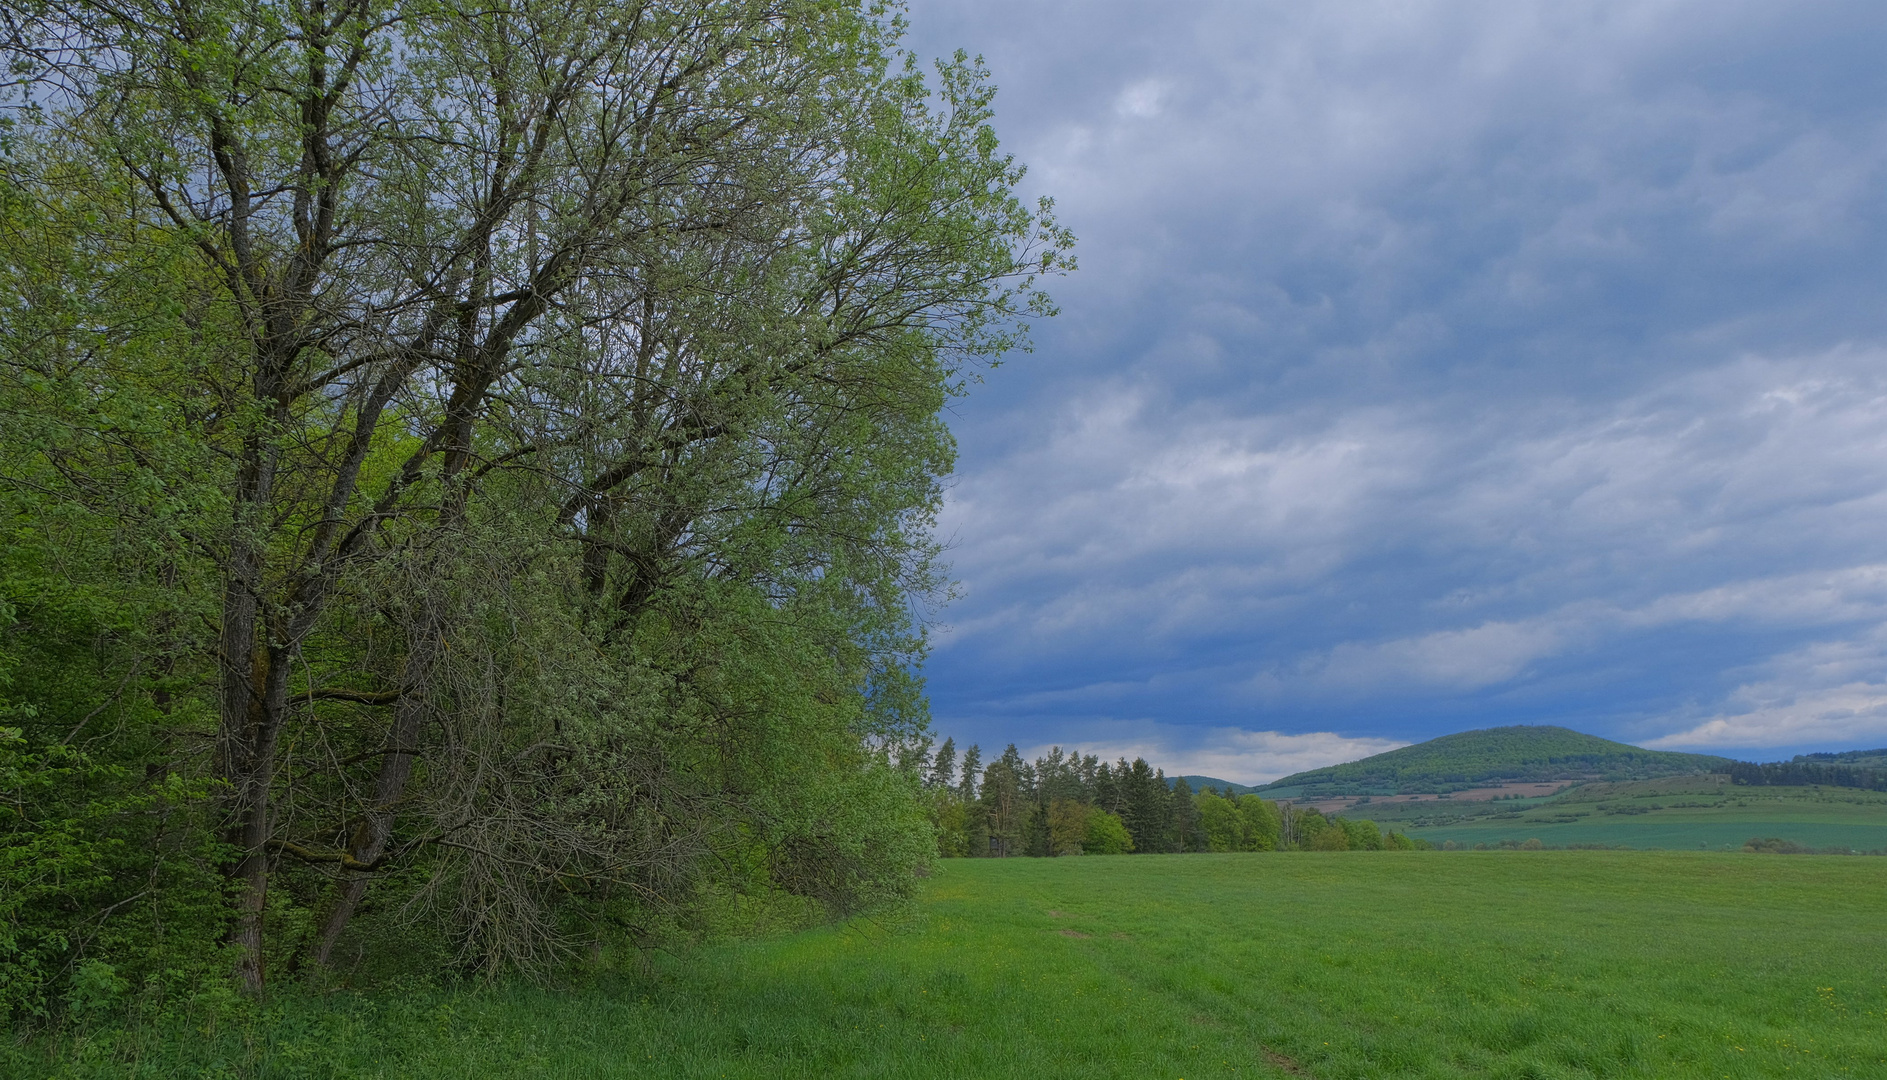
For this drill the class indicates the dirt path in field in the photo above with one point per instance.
(1279, 1061)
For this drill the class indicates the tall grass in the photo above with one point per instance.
(1347, 965)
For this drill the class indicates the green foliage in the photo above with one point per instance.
(1830, 769)
(1473, 758)
(1107, 835)
(1184, 832)
(1069, 826)
(1362, 835)
(1866, 759)
(105, 878)
(448, 524)
(1244, 823)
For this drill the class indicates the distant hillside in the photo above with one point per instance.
(1476, 758)
(1197, 782)
(1865, 759)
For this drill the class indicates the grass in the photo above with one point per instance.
(1679, 813)
(1346, 965)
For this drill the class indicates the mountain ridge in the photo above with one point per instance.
(1469, 759)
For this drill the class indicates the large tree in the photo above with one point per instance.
(567, 376)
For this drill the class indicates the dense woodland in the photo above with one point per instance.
(1074, 804)
(1805, 772)
(467, 473)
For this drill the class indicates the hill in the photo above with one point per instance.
(1213, 782)
(1864, 759)
(1477, 758)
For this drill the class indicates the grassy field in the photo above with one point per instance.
(1679, 812)
(1345, 965)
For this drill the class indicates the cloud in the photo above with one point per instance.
(1235, 754)
(1141, 100)
(1847, 716)
(1432, 366)
(1492, 652)
(1827, 693)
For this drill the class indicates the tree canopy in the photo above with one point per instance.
(468, 471)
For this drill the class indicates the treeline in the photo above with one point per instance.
(1076, 804)
(1805, 773)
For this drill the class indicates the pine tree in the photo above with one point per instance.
(943, 767)
(1185, 834)
(972, 768)
(1144, 807)
(1107, 787)
(1035, 837)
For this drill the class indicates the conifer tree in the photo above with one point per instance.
(1185, 834)
(1107, 787)
(1144, 806)
(943, 767)
(972, 768)
(1035, 834)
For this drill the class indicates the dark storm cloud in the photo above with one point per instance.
(1432, 367)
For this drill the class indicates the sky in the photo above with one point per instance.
(1430, 367)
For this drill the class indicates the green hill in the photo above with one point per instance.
(1860, 759)
(1477, 758)
(1213, 782)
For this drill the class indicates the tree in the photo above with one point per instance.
(1363, 835)
(1263, 824)
(1146, 806)
(1037, 841)
(1107, 835)
(1068, 826)
(943, 767)
(1184, 833)
(567, 380)
(1004, 806)
(1220, 821)
(1107, 786)
(972, 768)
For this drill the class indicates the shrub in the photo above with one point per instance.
(106, 881)
(1107, 835)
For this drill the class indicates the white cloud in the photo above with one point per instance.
(1492, 652)
(1229, 753)
(1841, 716)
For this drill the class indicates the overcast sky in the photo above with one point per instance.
(1432, 367)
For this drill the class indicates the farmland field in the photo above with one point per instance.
(1679, 812)
(1340, 965)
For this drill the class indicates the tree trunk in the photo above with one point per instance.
(245, 749)
(370, 838)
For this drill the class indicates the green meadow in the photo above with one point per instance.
(1339, 965)
(1677, 812)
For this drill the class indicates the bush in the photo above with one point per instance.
(1774, 845)
(107, 882)
(1107, 835)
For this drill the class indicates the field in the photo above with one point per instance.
(1344, 965)
(1678, 812)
